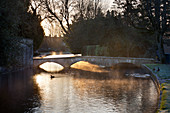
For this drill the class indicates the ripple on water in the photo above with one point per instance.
(79, 92)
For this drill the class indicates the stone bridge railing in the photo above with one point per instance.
(99, 60)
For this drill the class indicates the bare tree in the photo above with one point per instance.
(63, 11)
(60, 11)
(87, 8)
(37, 7)
(158, 14)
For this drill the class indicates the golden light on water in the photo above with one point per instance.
(66, 93)
(53, 92)
(38, 79)
(116, 84)
(51, 67)
(86, 66)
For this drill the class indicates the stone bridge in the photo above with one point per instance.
(66, 62)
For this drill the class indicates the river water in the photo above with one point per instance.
(77, 91)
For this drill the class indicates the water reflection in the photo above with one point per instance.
(123, 95)
(51, 67)
(68, 94)
(18, 93)
(77, 91)
(54, 92)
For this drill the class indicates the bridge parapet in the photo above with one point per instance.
(110, 61)
(99, 60)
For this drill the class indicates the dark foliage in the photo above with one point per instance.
(17, 23)
(31, 29)
(120, 39)
(133, 29)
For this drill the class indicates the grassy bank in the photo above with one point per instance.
(162, 71)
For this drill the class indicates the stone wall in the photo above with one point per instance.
(25, 54)
(19, 55)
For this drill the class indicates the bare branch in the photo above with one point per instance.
(53, 14)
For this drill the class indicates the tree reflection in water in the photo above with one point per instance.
(96, 91)
(77, 90)
(18, 93)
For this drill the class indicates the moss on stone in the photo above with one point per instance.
(163, 100)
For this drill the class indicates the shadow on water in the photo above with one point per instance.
(18, 93)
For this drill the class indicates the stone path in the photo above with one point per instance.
(162, 71)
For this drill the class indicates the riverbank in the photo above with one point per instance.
(162, 73)
(18, 56)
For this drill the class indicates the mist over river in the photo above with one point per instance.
(77, 91)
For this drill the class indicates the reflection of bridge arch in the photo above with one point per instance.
(65, 62)
(99, 60)
(37, 65)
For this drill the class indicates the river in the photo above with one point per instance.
(77, 91)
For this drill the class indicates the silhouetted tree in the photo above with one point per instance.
(150, 16)
(17, 23)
